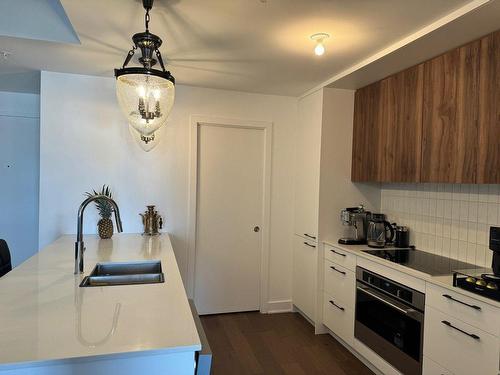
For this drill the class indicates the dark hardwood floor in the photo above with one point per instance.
(273, 344)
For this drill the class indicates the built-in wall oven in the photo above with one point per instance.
(390, 320)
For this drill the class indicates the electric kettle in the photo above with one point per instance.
(380, 232)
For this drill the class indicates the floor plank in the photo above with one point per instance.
(275, 344)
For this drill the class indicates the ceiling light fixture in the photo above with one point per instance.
(319, 38)
(5, 54)
(145, 95)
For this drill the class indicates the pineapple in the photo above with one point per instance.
(104, 225)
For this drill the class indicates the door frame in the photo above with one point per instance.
(196, 121)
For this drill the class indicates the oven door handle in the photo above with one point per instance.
(372, 293)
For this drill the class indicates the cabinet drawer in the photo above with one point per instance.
(469, 310)
(432, 368)
(458, 346)
(338, 318)
(340, 283)
(341, 257)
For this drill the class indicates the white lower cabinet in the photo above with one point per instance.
(432, 368)
(340, 283)
(340, 257)
(458, 346)
(339, 318)
(304, 275)
(338, 300)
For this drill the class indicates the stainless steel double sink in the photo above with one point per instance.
(125, 273)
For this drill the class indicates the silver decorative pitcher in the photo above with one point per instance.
(152, 221)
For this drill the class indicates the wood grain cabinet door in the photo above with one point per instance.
(400, 128)
(365, 143)
(489, 111)
(451, 116)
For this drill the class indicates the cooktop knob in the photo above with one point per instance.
(492, 286)
(481, 282)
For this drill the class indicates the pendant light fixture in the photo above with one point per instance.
(145, 95)
(146, 143)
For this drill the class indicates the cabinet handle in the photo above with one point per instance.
(336, 252)
(308, 244)
(339, 271)
(337, 306)
(447, 323)
(475, 307)
(308, 235)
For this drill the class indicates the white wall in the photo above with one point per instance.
(85, 143)
(19, 160)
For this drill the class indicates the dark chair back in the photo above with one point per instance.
(5, 262)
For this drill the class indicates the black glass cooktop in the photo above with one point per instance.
(422, 261)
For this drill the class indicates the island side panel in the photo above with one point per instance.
(182, 363)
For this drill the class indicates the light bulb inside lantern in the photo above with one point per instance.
(319, 49)
(156, 94)
(141, 91)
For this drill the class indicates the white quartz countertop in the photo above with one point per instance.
(444, 281)
(45, 315)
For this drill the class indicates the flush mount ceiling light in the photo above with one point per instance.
(5, 54)
(145, 95)
(319, 38)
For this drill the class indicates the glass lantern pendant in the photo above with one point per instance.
(146, 143)
(145, 95)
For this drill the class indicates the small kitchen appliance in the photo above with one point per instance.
(483, 281)
(402, 237)
(152, 221)
(378, 229)
(495, 247)
(355, 218)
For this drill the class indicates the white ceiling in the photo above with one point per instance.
(247, 45)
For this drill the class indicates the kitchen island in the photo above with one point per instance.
(50, 325)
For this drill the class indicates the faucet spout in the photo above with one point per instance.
(79, 244)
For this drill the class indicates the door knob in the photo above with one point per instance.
(256, 229)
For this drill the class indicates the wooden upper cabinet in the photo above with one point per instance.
(399, 149)
(436, 122)
(366, 133)
(451, 116)
(387, 129)
(489, 112)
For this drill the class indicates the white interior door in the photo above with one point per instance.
(229, 208)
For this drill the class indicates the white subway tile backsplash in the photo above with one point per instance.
(482, 213)
(483, 192)
(473, 206)
(452, 220)
(473, 195)
(492, 214)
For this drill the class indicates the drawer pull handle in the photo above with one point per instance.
(308, 244)
(475, 307)
(446, 323)
(336, 252)
(337, 306)
(308, 235)
(339, 271)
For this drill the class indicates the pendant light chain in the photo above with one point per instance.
(147, 18)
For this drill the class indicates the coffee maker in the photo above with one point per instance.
(356, 218)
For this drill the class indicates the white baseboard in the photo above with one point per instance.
(275, 307)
